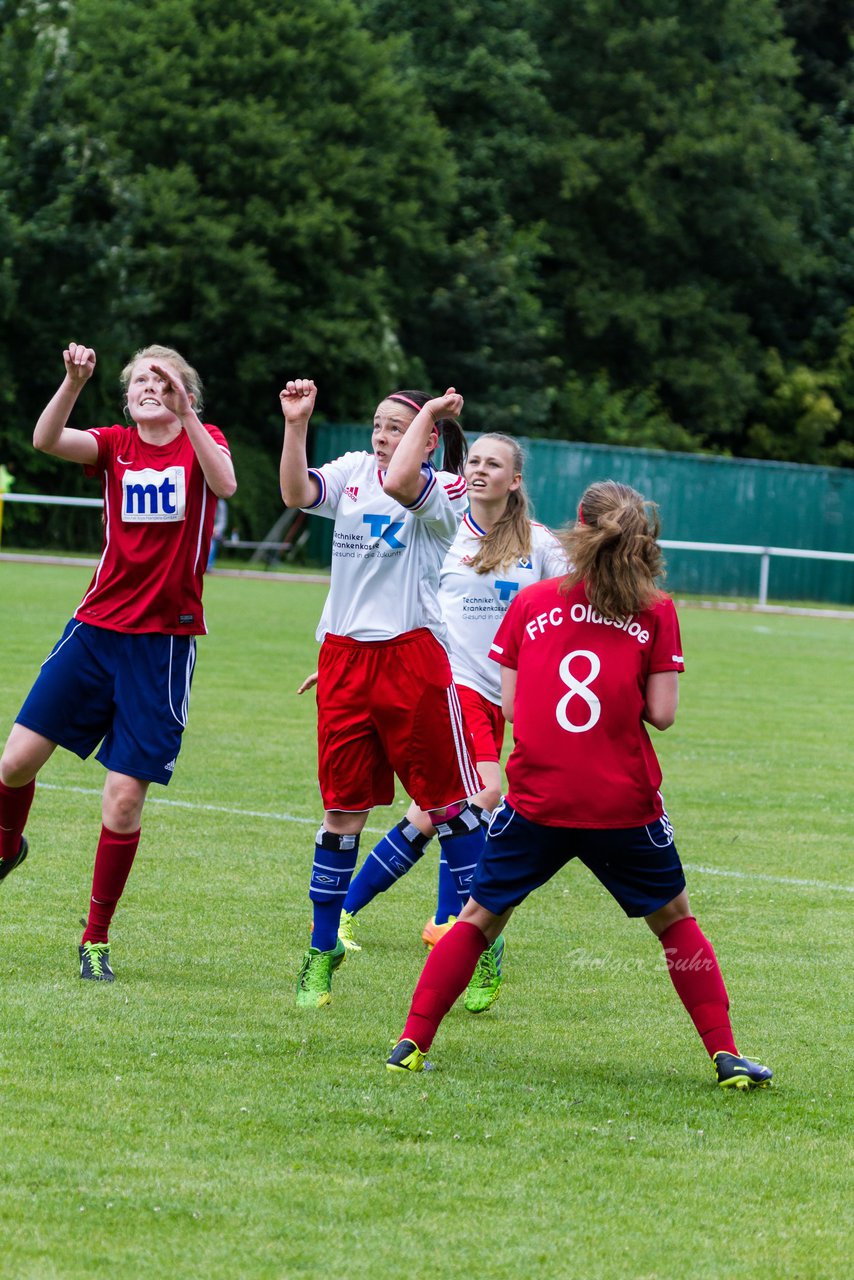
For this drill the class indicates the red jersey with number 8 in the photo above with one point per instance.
(582, 755)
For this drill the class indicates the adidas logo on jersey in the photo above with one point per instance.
(170, 767)
(351, 492)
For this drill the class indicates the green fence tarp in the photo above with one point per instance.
(701, 498)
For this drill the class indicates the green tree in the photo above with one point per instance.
(481, 323)
(260, 186)
(64, 221)
(290, 184)
(678, 231)
(799, 413)
(823, 35)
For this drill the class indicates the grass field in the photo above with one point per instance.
(189, 1121)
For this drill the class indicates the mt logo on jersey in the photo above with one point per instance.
(149, 495)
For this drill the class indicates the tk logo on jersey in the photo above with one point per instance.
(506, 590)
(377, 526)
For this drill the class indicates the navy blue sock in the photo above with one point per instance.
(391, 858)
(462, 840)
(447, 899)
(334, 863)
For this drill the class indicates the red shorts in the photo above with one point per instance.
(390, 707)
(484, 721)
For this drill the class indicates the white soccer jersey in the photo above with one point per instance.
(473, 604)
(385, 557)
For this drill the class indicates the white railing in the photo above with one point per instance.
(52, 501)
(731, 548)
(765, 554)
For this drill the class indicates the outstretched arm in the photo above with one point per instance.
(51, 434)
(217, 467)
(299, 489)
(403, 480)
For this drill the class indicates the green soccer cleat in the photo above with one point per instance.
(346, 933)
(95, 962)
(482, 991)
(406, 1056)
(9, 864)
(740, 1073)
(314, 984)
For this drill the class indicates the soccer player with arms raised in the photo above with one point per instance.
(121, 672)
(498, 551)
(386, 700)
(585, 661)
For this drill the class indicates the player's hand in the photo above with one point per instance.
(79, 363)
(297, 400)
(450, 405)
(308, 683)
(174, 394)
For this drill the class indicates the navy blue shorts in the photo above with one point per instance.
(132, 691)
(639, 866)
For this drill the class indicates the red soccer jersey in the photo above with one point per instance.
(158, 518)
(582, 755)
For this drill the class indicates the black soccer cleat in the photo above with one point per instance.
(9, 864)
(406, 1056)
(741, 1073)
(95, 962)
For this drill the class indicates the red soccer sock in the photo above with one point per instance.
(113, 861)
(697, 977)
(445, 976)
(14, 810)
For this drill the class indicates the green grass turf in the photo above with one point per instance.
(190, 1121)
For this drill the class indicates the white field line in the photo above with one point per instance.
(750, 876)
(791, 881)
(208, 808)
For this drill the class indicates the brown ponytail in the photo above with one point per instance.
(450, 432)
(455, 446)
(614, 549)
